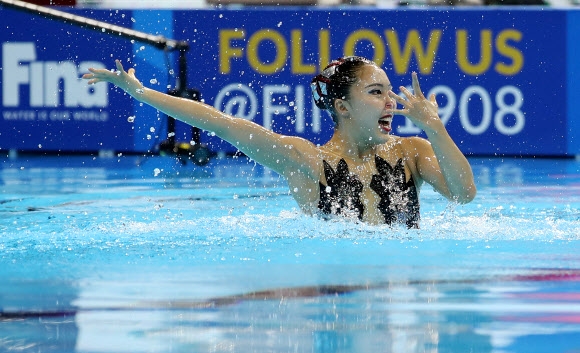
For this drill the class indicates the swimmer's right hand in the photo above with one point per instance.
(125, 80)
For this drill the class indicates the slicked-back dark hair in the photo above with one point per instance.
(335, 81)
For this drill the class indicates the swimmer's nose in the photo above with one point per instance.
(390, 104)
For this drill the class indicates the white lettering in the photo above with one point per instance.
(59, 115)
(55, 72)
(299, 125)
(27, 115)
(13, 74)
(241, 101)
(500, 120)
(91, 116)
(36, 85)
(271, 109)
(316, 118)
(506, 109)
(486, 107)
(51, 83)
(94, 95)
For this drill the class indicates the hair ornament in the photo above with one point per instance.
(319, 87)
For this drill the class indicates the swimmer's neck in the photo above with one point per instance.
(347, 145)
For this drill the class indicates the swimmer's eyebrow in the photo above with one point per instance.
(380, 85)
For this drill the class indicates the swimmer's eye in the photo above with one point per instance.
(376, 91)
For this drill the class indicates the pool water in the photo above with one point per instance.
(134, 254)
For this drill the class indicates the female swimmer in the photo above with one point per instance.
(363, 172)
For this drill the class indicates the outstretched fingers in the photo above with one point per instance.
(91, 76)
(105, 75)
(96, 75)
(121, 71)
(416, 87)
(131, 73)
(400, 100)
(119, 65)
(417, 93)
(433, 99)
(397, 98)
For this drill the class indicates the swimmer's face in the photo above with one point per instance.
(369, 103)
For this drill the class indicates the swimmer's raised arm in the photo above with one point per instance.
(278, 152)
(439, 161)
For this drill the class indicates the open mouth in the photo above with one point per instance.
(385, 124)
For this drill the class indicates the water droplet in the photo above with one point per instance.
(156, 171)
(152, 129)
(140, 90)
(153, 81)
(131, 119)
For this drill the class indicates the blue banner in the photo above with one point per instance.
(45, 104)
(573, 82)
(503, 82)
(498, 76)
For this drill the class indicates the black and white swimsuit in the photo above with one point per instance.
(399, 202)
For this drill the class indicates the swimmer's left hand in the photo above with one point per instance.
(125, 80)
(421, 111)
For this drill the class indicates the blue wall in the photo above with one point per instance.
(505, 84)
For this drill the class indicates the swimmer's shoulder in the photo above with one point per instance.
(410, 147)
(406, 149)
(305, 156)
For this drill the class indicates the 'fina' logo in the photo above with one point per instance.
(45, 78)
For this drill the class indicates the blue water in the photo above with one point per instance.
(131, 254)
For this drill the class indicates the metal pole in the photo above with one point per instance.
(102, 27)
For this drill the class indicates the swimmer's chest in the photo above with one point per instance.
(344, 172)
